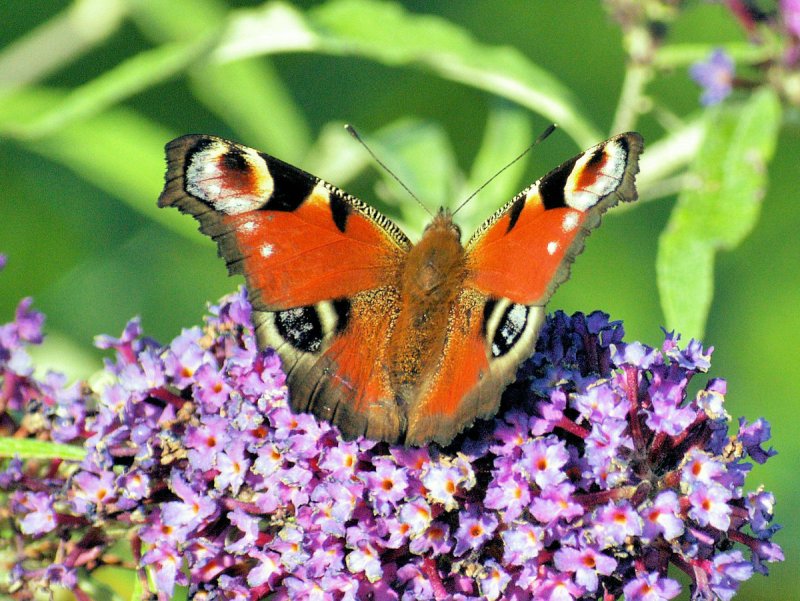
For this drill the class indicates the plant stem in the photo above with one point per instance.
(637, 76)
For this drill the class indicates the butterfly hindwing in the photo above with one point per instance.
(487, 340)
(339, 378)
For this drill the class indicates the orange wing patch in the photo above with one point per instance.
(294, 258)
(539, 241)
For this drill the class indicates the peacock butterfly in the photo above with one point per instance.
(407, 343)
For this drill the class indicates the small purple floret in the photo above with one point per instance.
(715, 76)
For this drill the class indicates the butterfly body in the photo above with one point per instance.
(431, 278)
(388, 339)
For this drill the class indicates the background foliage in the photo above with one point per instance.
(90, 92)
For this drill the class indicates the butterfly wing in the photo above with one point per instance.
(544, 227)
(296, 239)
(515, 261)
(321, 269)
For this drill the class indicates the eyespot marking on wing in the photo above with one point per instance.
(301, 328)
(596, 174)
(504, 324)
(231, 179)
(510, 328)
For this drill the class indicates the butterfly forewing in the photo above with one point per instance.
(394, 342)
(297, 239)
(525, 249)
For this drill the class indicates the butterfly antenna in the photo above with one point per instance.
(352, 131)
(549, 130)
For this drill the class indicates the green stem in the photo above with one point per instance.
(631, 99)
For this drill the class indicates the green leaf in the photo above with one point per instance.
(137, 591)
(167, 21)
(242, 93)
(248, 95)
(119, 151)
(335, 156)
(666, 157)
(115, 85)
(114, 582)
(719, 212)
(507, 133)
(103, 584)
(363, 27)
(27, 448)
(58, 42)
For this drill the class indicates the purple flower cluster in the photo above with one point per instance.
(600, 472)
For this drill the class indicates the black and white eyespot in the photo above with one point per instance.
(308, 329)
(510, 329)
(233, 179)
(597, 173)
(301, 328)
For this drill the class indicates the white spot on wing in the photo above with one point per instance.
(248, 226)
(570, 222)
(552, 247)
(266, 250)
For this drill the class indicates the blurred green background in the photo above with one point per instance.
(78, 183)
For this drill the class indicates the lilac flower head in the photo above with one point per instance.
(715, 76)
(600, 472)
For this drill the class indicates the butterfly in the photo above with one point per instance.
(399, 342)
